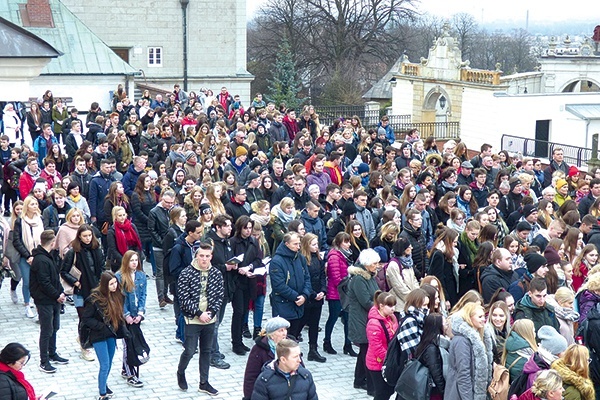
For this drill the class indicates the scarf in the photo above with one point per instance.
(263, 220)
(21, 379)
(33, 176)
(283, 217)
(455, 266)
(126, 237)
(406, 262)
(31, 231)
(75, 199)
(347, 254)
(470, 244)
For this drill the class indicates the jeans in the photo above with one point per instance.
(160, 276)
(239, 302)
(215, 347)
(383, 391)
(335, 311)
(49, 315)
(25, 269)
(257, 315)
(149, 251)
(311, 318)
(105, 351)
(179, 320)
(193, 334)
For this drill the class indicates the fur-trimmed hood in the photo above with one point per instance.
(482, 355)
(358, 270)
(432, 156)
(584, 386)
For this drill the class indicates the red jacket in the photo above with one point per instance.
(292, 126)
(337, 269)
(25, 184)
(378, 342)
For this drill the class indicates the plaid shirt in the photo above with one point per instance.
(411, 329)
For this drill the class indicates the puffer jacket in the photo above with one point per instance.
(432, 359)
(260, 354)
(576, 386)
(90, 262)
(419, 248)
(158, 224)
(518, 352)
(337, 269)
(361, 290)
(10, 388)
(273, 384)
(140, 207)
(378, 340)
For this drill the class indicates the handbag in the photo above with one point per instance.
(75, 273)
(414, 382)
(138, 351)
(104, 228)
(498, 389)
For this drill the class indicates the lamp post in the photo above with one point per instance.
(184, 4)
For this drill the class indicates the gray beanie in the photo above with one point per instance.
(551, 340)
(275, 323)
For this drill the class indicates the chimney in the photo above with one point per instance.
(37, 14)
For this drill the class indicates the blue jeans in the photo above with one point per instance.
(105, 351)
(25, 268)
(149, 251)
(335, 311)
(257, 315)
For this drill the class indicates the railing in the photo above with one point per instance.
(528, 147)
(439, 130)
(480, 76)
(327, 115)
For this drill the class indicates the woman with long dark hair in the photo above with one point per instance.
(103, 317)
(358, 238)
(443, 263)
(132, 278)
(116, 197)
(13, 385)
(432, 343)
(142, 201)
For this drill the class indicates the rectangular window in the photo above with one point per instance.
(155, 56)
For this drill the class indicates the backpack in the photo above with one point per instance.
(498, 389)
(381, 275)
(138, 351)
(343, 288)
(395, 360)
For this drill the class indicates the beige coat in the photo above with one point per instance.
(401, 283)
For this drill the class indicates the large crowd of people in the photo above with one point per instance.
(472, 264)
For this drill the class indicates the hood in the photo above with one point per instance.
(569, 377)
(39, 250)
(358, 270)
(516, 342)
(526, 302)
(212, 234)
(534, 364)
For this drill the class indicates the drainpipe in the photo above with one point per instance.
(184, 4)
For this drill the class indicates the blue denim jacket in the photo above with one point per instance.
(129, 306)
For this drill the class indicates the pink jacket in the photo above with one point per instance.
(337, 269)
(378, 343)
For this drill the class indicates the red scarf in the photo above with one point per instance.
(21, 379)
(126, 237)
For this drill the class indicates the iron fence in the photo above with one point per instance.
(529, 147)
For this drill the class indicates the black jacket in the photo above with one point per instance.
(432, 359)
(585, 204)
(221, 252)
(273, 384)
(44, 278)
(10, 388)
(83, 180)
(180, 255)
(252, 256)
(318, 279)
(443, 269)
(93, 318)
(493, 278)
(113, 256)
(236, 210)
(90, 262)
(419, 252)
(158, 225)
(140, 207)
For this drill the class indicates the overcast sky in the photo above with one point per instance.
(539, 11)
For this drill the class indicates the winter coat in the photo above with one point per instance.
(99, 185)
(259, 355)
(443, 269)
(576, 386)
(318, 279)
(540, 316)
(535, 364)
(18, 242)
(53, 217)
(10, 388)
(419, 249)
(221, 252)
(361, 290)
(113, 256)
(44, 278)
(337, 269)
(587, 300)
(470, 363)
(158, 224)
(378, 340)
(278, 132)
(321, 180)
(94, 319)
(134, 303)
(130, 179)
(431, 358)
(316, 226)
(585, 204)
(401, 281)
(365, 218)
(273, 384)
(179, 253)
(83, 180)
(188, 291)
(289, 279)
(140, 207)
(518, 352)
(492, 278)
(90, 262)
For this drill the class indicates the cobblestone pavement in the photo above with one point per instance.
(77, 380)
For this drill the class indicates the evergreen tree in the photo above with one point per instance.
(285, 86)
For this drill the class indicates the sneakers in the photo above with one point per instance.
(206, 388)
(219, 364)
(181, 382)
(162, 304)
(29, 312)
(14, 297)
(69, 300)
(124, 375)
(109, 393)
(57, 359)
(135, 382)
(47, 368)
(87, 355)
(168, 300)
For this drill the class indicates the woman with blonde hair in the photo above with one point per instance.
(548, 385)
(470, 359)
(573, 368)
(387, 237)
(122, 236)
(262, 215)
(214, 192)
(408, 196)
(192, 201)
(499, 322)
(520, 346)
(68, 231)
(565, 313)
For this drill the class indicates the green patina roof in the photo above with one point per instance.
(83, 52)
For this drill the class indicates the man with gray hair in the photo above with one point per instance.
(290, 282)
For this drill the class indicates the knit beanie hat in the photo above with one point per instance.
(189, 154)
(573, 171)
(275, 323)
(528, 209)
(513, 182)
(362, 168)
(523, 226)
(534, 261)
(551, 340)
(241, 151)
(204, 207)
(560, 183)
(349, 209)
(551, 255)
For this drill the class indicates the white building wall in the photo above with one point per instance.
(402, 95)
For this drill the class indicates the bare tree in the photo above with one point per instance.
(465, 27)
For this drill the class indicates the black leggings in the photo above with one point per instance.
(383, 391)
(311, 318)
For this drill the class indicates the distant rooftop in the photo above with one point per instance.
(16, 42)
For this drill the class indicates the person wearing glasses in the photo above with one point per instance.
(13, 385)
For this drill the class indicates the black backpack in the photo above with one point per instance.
(395, 359)
(343, 289)
(138, 351)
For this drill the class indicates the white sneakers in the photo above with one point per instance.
(14, 297)
(30, 312)
(87, 355)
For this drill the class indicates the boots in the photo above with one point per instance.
(246, 331)
(349, 350)
(313, 354)
(328, 348)
(256, 332)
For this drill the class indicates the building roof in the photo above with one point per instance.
(83, 52)
(16, 42)
(584, 111)
(383, 88)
